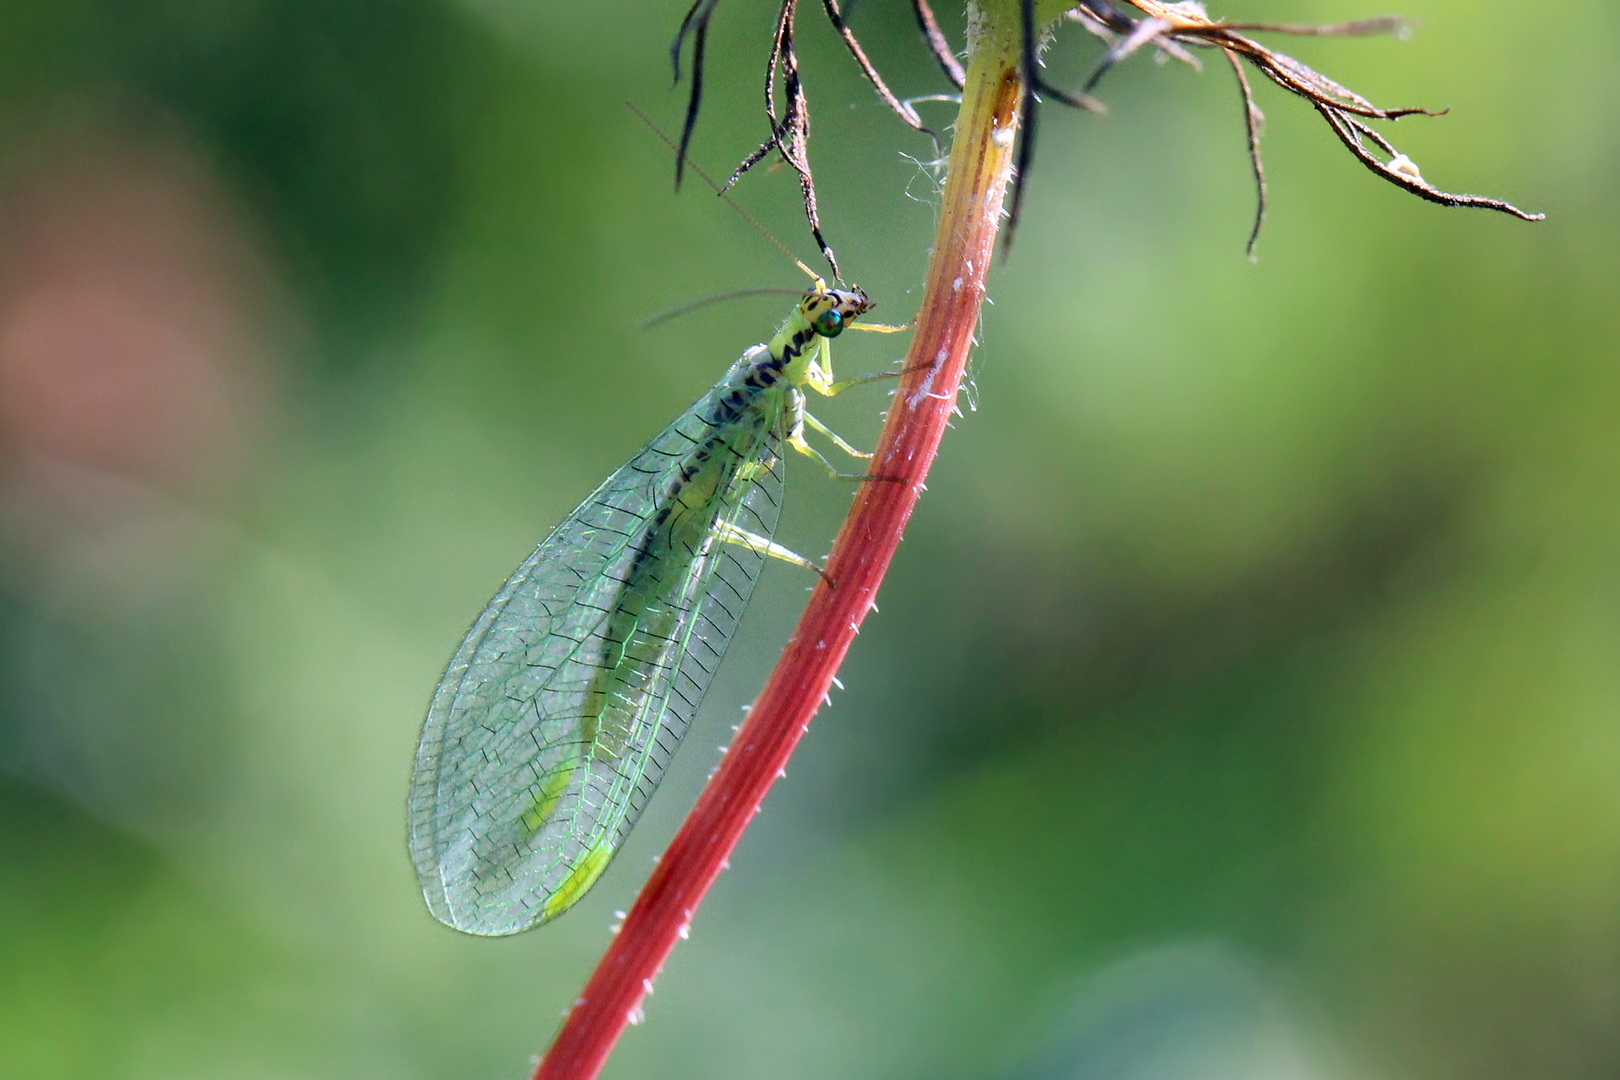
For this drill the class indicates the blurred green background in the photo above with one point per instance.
(1244, 698)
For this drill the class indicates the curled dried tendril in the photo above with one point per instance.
(1174, 30)
(788, 113)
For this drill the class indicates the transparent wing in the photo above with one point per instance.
(533, 763)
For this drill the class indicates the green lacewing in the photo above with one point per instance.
(553, 722)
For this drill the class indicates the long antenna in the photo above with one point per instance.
(718, 190)
(692, 305)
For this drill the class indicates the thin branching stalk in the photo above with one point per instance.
(978, 171)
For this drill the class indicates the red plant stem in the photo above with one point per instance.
(970, 213)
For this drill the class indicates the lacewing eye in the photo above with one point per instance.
(829, 323)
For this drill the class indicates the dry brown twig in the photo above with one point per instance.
(790, 117)
(1346, 112)
(1173, 29)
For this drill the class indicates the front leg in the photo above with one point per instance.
(819, 375)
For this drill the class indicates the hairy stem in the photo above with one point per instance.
(970, 215)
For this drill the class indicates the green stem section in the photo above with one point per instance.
(970, 215)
